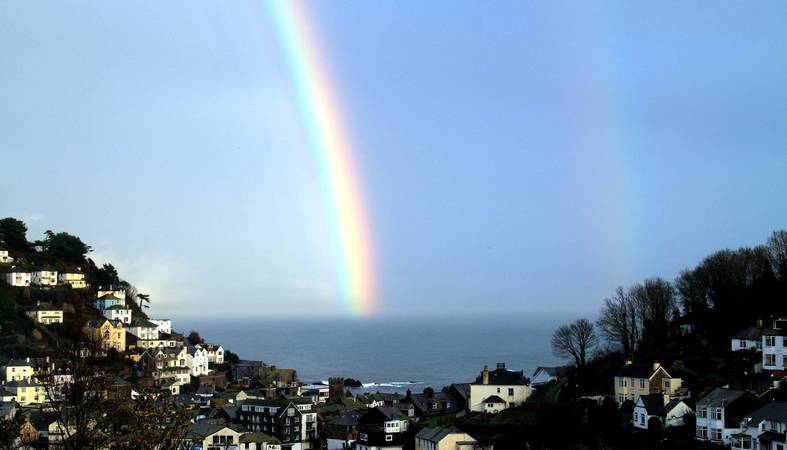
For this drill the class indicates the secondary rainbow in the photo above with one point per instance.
(333, 154)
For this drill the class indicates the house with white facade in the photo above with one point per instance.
(500, 384)
(764, 428)
(164, 325)
(545, 375)
(167, 364)
(46, 314)
(17, 370)
(660, 408)
(18, 277)
(118, 312)
(44, 277)
(774, 348)
(215, 353)
(197, 360)
(5, 258)
(24, 392)
(747, 339)
(74, 278)
(719, 414)
(204, 435)
(143, 329)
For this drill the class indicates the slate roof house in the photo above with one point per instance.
(492, 387)
(747, 339)
(634, 380)
(430, 403)
(719, 414)
(668, 412)
(764, 428)
(342, 431)
(382, 428)
(293, 422)
(544, 375)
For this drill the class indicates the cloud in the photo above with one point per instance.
(164, 277)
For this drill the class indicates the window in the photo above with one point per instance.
(702, 432)
(715, 434)
(388, 438)
(702, 412)
(620, 382)
(717, 414)
(770, 359)
(666, 384)
(770, 341)
(510, 392)
(642, 384)
(363, 436)
(498, 390)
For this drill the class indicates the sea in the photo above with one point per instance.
(388, 354)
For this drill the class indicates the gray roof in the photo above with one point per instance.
(720, 397)
(349, 418)
(653, 403)
(750, 333)
(204, 429)
(776, 411)
(436, 434)
(493, 399)
(504, 377)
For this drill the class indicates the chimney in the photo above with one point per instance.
(501, 366)
(629, 361)
(485, 376)
(656, 365)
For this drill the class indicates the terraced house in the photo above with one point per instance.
(46, 314)
(292, 422)
(72, 277)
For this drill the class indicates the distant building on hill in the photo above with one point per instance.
(719, 414)
(293, 422)
(5, 258)
(164, 325)
(17, 370)
(634, 380)
(660, 408)
(545, 375)
(108, 300)
(18, 277)
(498, 389)
(44, 277)
(74, 278)
(118, 312)
(446, 438)
(46, 314)
(107, 334)
(143, 329)
(763, 428)
(774, 347)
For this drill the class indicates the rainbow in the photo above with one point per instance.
(332, 151)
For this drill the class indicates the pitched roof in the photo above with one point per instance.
(45, 307)
(204, 429)
(258, 438)
(653, 403)
(720, 397)
(109, 296)
(775, 411)
(443, 399)
(17, 363)
(349, 418)
(750, 333)
(504, 377)
(639, 371)
(551, 371)
(436, 434)
(493, 399)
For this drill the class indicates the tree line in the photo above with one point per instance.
(726, 292)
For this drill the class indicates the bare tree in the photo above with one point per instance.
(777, 254)
(620, 321)
(574, 341)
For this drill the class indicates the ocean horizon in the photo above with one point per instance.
(388, 354)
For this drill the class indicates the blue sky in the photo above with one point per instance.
(515, 156)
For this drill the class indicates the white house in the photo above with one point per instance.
(74, 278)
(164, 325)
(46, 314)
(215, 353)
(18, 277)
(44, 277)
(17, 370)
(764, 428)
(774, 349)
(668, 412)
(205, 435)
(4, 258)
(197, 360)
(501, 384)
(118, 312)
(111, 290)
(719, 414)
(545, 375)
(25, 392)
(143, 329)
